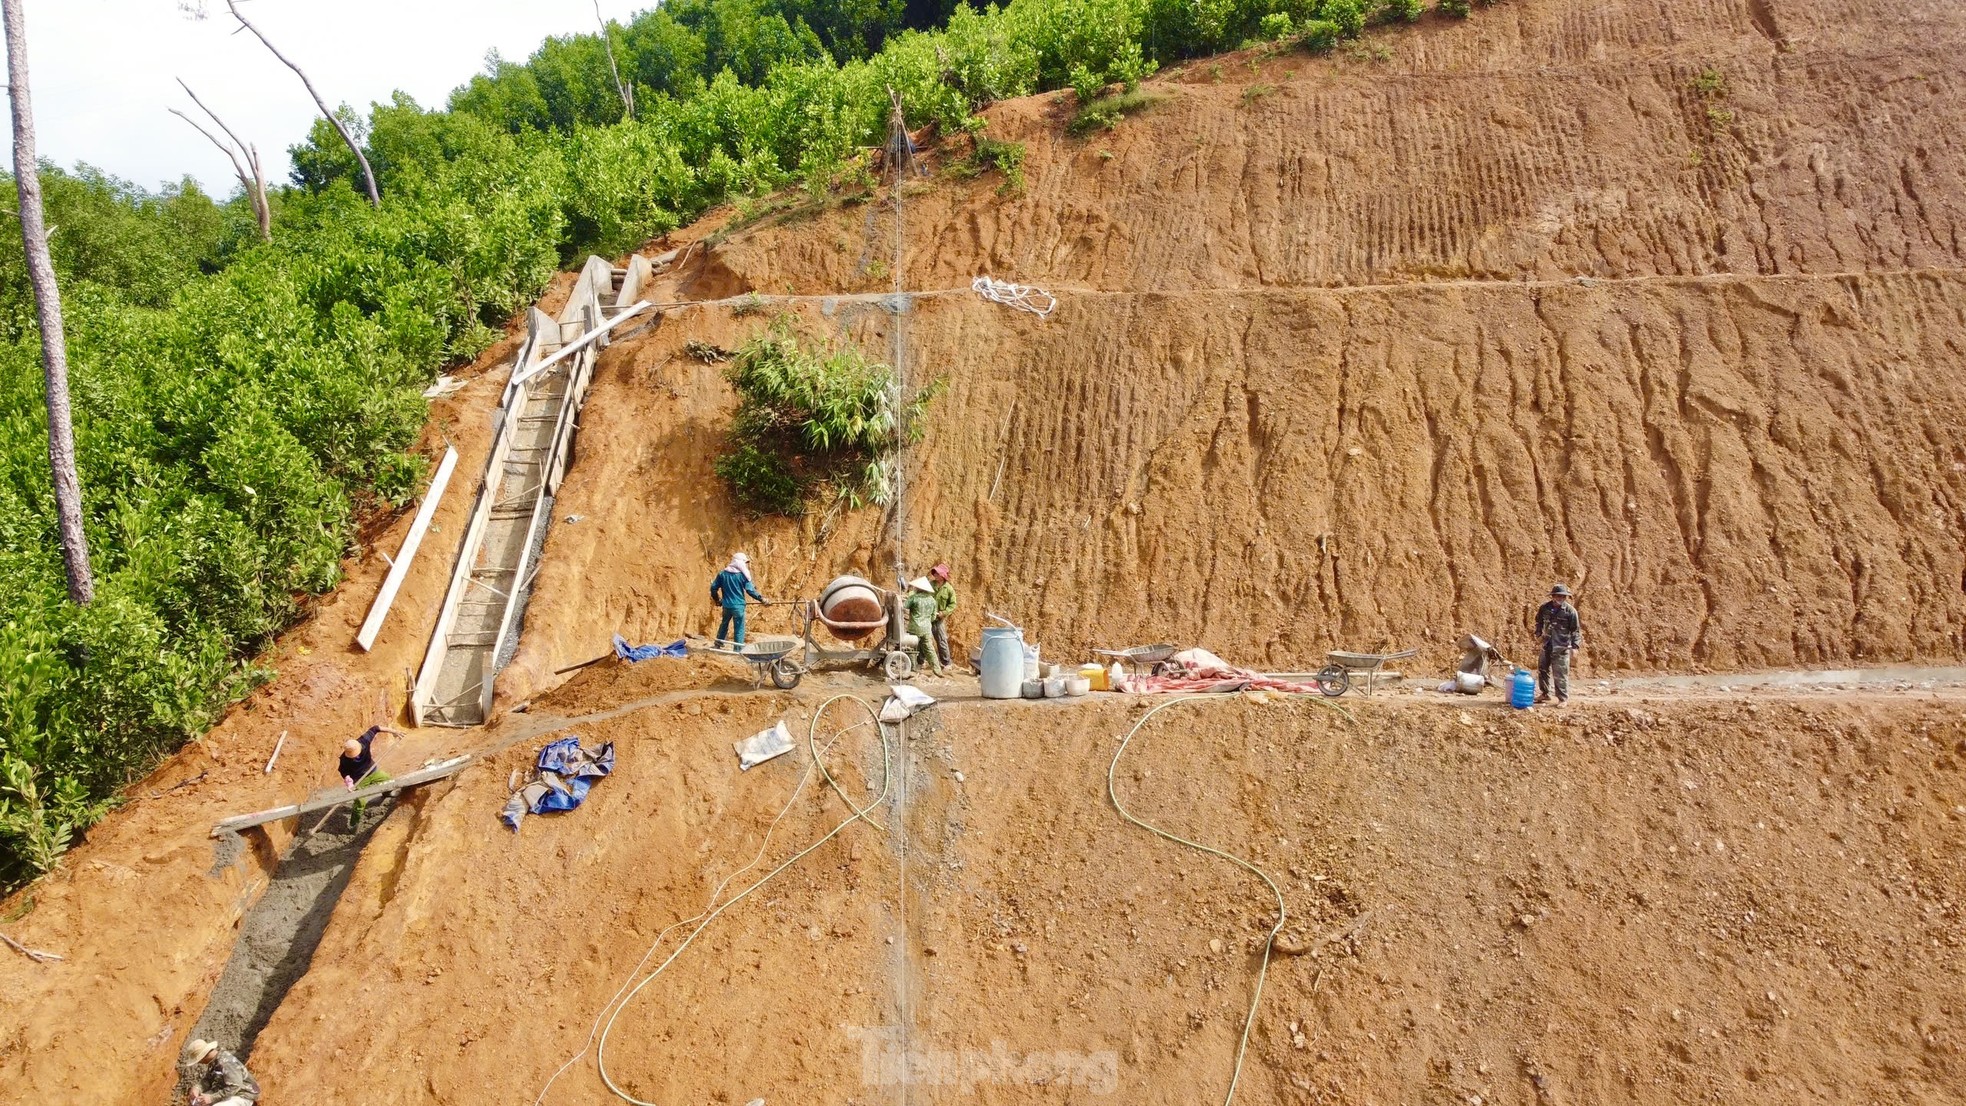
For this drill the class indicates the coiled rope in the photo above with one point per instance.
(604, 1021)
(1269, 942)
(1022, 297)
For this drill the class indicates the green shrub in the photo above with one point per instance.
(1403, 11)
(1277, 26)
(807, 419)
(1005, 157)
(1349, 15)
(1105, 112)
(1319, 36)
(763, 481)
(1460, 9)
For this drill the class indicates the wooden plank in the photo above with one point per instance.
(583, 341)
(417, 778)
(400, 568)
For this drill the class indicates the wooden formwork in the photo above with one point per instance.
(498, 555)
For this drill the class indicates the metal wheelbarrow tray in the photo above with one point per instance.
(1336, 676)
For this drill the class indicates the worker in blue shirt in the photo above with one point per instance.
(729, 590)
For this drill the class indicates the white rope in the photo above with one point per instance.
(1022, 297)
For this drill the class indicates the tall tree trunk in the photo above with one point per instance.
(47, 304)
(368, 174)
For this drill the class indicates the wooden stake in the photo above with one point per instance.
(32, 954)
(277, 745)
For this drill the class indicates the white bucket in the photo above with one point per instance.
(1054, 687)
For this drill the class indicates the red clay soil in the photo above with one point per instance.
(1634, 902)
(1351, 352)
(1365, 354)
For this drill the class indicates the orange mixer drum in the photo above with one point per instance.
(850, 599)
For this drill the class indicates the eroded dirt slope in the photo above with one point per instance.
(1362, 354)
(1350, 353)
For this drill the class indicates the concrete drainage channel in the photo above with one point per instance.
(278, 936)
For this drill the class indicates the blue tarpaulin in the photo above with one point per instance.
(565, 772)
(632, 653)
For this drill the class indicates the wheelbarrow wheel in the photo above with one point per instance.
(898, 666)
(785, 675)
(1333, 681)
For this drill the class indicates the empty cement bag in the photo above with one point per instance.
(763, 746)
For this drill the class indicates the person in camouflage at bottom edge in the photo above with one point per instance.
(218, 1078)
(1561, 633)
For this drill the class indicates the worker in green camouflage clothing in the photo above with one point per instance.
(921, 623)
(217, 1076)
(1561, 634)
(945, 603)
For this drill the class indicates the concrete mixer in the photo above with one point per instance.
(851, 610)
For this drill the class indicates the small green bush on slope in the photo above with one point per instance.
(808, 418)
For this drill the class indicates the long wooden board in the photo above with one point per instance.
(421, 776)
(372, 625)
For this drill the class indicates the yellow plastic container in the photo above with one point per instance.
(1097, 675)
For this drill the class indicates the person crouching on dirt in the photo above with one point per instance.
(921, 623)
(217, 1076)
(1562, 634)
(945, 603)
(358, 770)
(729, 590)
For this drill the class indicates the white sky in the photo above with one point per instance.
(102, 71)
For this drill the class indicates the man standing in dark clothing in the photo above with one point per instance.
(1558, 628)
(358, 768)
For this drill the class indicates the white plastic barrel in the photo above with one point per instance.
(1002, 670)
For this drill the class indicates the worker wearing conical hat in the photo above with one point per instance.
(945, 603)
(921, 623)
(217, 1076)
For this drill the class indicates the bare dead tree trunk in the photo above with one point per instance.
(47, 305)
(607, 40)
(368, 174)
(240, 160)
(254, 182)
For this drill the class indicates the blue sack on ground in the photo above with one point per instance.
(565, 773)
(633, 653)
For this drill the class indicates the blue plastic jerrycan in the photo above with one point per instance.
(1522, 689)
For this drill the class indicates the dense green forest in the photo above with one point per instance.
(240, 403)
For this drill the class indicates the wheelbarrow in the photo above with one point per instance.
(769, 655)
(1341, 668)
(1151, 659)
